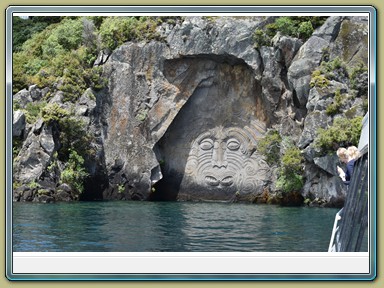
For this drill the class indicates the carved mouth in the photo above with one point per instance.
(227, 181)
(213, 181)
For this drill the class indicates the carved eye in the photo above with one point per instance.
(206, 144)
(233, 144)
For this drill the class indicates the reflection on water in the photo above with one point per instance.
(169, 226)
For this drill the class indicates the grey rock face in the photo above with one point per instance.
(313, 121)
(309, 57)
(327, 163)
(209, 150)
(323, 185)
(181, 119)
(287, 48)
(351, 44)
(222, 37)
(18, 126)
(320, 98)
(35, 154)
(22, 97)
(35, 92)
(206, 80)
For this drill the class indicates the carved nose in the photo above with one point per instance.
(218, 157)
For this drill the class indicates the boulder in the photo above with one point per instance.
(327, 163)
(313, 121)
(320, 98)
(35, 155)
(35, 92)
(309, 57)
(23, 97)
(306, 60)
(18, 125)
(287, 48)
(351, 43)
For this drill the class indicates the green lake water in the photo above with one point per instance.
(120, 226)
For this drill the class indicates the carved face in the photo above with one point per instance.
(224, 158)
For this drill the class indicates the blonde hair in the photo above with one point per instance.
(342, 152)
(353, 152)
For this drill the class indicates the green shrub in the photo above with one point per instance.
(33, 185)
(73, 131)
(260, 38)
(292, 159)
(65, 52)
(17, 144)
(33, 111)
(305, 30)
(334, 108)
(141, 115)
(316, 21)
(334, 70)
(271, 30)
(33, 46)
(94, 78)
(53, 112)
(19, 75)
(365, 105)
(290, 177)
(356, 73)
(269, 147)
(290, 182)
(74, 173)
(24, 29)
(120, 188)
(54, 52)
(63, 38)
(115, 31)
(74, 137)
(301, 27)
(286, 26)
(344, 132)
(318, 80)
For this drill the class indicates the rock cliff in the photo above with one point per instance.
(180, 119)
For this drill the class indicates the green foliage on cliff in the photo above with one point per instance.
(60, 53)
(53, 112)
(295, 26)
(260, 38)
(17, 144)
(338, 101)
(74, 173)
(33, 111)
(329, 70)
(344, 132)
(269, 147)
(290, 177)
(282, 152)
(356, 73)
(318, 80)
(114, 31)
(23, 29)
(73, 131)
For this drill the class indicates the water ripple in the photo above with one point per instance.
(169, 226)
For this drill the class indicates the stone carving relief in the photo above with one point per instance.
(225, 159)
(209, 150)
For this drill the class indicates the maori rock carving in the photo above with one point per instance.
(226, 159)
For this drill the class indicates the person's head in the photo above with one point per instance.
(353, 152)
(342, 153)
